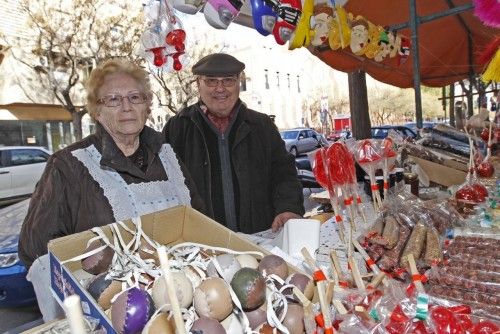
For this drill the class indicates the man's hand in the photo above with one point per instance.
(282, 218)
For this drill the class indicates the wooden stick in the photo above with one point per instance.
(335, 274)
(174, 302)
(415, 274)
(336, 266)
(325, 309)
(355, 274)
(377, 280)
(318, 274)
(359, 203)
(373, 266)
(309, 321)
(329, 292)
(74, 314)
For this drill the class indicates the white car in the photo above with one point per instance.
(20, 169)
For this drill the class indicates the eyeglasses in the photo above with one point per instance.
(226, 82)
(114, 100)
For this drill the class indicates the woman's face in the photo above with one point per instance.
(123, 106)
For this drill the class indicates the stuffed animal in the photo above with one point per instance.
(383, 46)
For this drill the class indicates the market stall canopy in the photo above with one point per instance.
(448, 46)
(33, 112)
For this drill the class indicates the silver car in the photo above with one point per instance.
(302, 140)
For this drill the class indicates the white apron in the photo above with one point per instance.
(126, 200)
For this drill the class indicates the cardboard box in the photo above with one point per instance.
(441, 174)
(171, 226)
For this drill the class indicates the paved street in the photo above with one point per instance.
(14, 317)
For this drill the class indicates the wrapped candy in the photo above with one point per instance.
(369, 159)
(163, 41)
(322, 174)
(389, 158)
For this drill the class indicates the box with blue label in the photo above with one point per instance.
(168, 227)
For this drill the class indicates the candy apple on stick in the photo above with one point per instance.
(321, 173)
(485, 168)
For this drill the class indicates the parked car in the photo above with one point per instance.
(20, 169)
(336, 135)
(302, 140)
(425, 125)
(15, 290)
(380, 132)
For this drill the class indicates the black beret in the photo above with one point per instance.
(218, 64)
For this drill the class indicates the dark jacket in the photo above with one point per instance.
(68, 200)
(264, 173)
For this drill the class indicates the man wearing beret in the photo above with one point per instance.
(234, 154)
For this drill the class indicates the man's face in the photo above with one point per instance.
(219, 94)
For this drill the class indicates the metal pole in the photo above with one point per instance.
(416, 63)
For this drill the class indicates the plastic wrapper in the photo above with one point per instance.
(433, 253)
(482, 304)
(464, 278)
(390, 259)
(415, 243)
(391, 231)
(401, 229)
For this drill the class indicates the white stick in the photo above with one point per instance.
(325, 309)
(356, 275)
(74, 314)
(172, 296)
(415, 274)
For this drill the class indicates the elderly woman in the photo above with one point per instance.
(121, 171)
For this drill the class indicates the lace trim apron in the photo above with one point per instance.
(133, 200)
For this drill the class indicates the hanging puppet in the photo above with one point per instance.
(323, 23)
(303, 33)
(359, 35)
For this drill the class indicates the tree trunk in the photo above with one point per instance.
(452, 105)
(77, 124)
(358, 102)
(470, 100)
(459, 116)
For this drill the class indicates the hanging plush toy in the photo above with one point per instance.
(323, 23)
(488, 12)
(263, 16)
(394, 44)
(188, 6)
(303, 33)
(490, 58)
(220, 13)
(359, 35)
(163, 41)
(404, 50)
(288, 12)
(373, 40)
(340, 33)
(383, 45)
